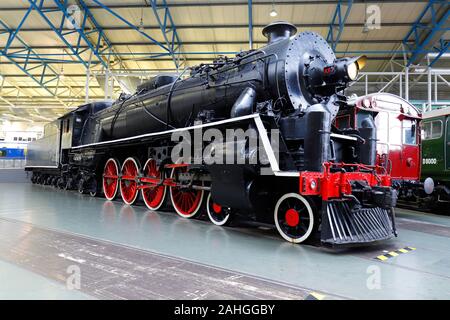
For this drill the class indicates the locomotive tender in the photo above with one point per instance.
(323, 181)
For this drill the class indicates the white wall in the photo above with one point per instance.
(15, 134)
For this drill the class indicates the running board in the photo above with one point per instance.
(343, 225)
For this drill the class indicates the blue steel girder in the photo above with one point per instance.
(100, 46)
(42, 73)
(426, 34)
(38, 6)
(339, 18)
(131, 25)
(441, 48)
(102, 43)
(168, 30)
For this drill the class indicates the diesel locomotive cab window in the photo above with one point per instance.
(432, 130)
(409, 131)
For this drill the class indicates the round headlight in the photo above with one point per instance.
(352, 71)
(428, 185)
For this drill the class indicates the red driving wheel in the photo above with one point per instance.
(110, 179)
(185, 201)
(128, 182)
(153, 195)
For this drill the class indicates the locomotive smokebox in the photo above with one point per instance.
(279, 30)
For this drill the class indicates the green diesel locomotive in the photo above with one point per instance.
(436, 158)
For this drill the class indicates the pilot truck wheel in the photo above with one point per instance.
(294, 217)
(219, 215)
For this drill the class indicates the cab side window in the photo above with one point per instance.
(66, 125)
(409, 131)
(432, 130)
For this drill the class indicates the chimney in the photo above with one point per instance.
(279, 30)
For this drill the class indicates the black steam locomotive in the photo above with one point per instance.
(249, 137)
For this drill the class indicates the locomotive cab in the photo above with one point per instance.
(78, 125)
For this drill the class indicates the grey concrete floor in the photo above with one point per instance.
(122, 249)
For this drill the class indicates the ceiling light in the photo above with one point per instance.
(366, 28)
(141, 26)
(273, 12)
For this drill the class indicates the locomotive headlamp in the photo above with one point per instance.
(354, 65)
(324, 78)
(347, 69)
(352, 71)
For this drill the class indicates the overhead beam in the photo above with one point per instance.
(140, 5)
(441, 49)
(218, 42)
(102, 43)
(427, 33)
(42, 73)
(138, 56)
(80, 27)
(223, 26)
(131, 25)
(43, 11)
(202, 59)
(337, 24)
(169, 31)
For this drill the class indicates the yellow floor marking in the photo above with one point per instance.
(318, 296)
(382, 258)
(412, 248)
(403, 250)
(392, 253)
